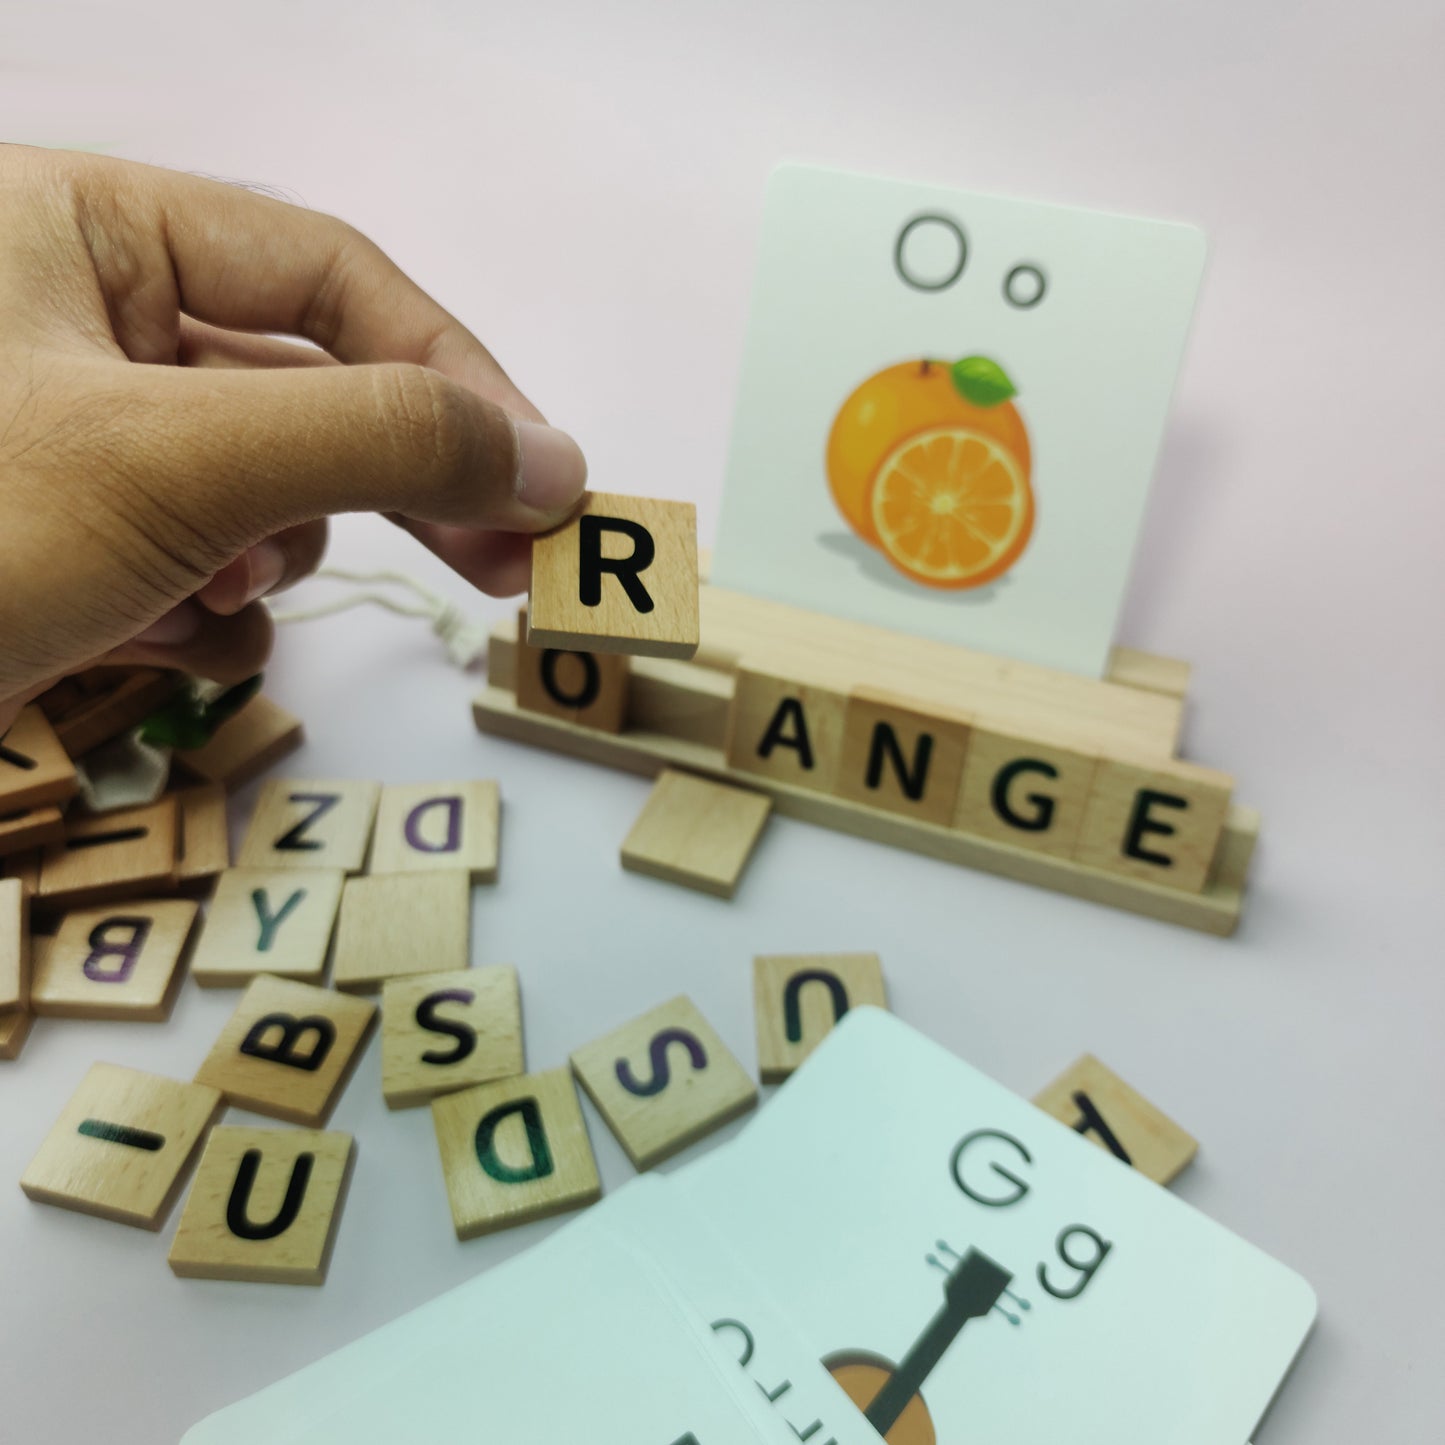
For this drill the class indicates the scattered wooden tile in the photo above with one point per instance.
(696, 833)
(663, 1081)
(204, 839)
(1095, 1102)
(25, 868)
(244, 746)
(14, 1030)
(115, 961)
(109, 856)
(401, 923)
(276, 921)
(265, 1206)
(620, 576)
(1157, 821)
(1030, 792)
(30, 828)
(121, 1146)
(14, 946)
(423, 827)
(288, 1050)
(34, 768)
(587, 688)
(514, 1151)
(303, 824)
(799, 997)
(441, 1032)
(784, 728)
(902, 758)
(132, 696)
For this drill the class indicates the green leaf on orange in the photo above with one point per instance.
(981, 381)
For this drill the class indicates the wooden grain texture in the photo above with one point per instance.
(514, 1151)
(902, 758)
(401, 923)
(122, 1145)
(1215, 910)
(441, 1032)
(116, 961)
(424, 827)
(204, 842)
(786, 726)
(288, 1050)
(109, 856)
(663, 1080)
(660, 621)
(798, 998)
(34, 768)
(590, 688)
(265, 1206)
(1148, 672)
(14, 1030)
(25, 869)
(695, 832)
(128, 701)
(306, 823)
(244, 746)
(1095, 1102)
(1158, 821)
(30, 828)
(264, 920)
(15, 958)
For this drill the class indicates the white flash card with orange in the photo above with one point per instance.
(950, 410)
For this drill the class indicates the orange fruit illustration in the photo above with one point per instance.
(929, 462)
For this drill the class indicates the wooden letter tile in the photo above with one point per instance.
(204, 842)
(1025, 791)
(786, 729)
(586, 688)
(116, 961)
(14, 946)
(299, 824)
(799, 997)
(264, 1207)
(663, 1081)
(30, 828)
(422, 827)
(441, 1032)
(245, 745)
(288, 1050)
(1098, 1104)
(402, 923)
(14, 1030)
(34, 768)
(514, 1151)
(1156, 821)
(621, 576)
(695, 832)
(267, 921)
(108, 856)
(126, 701)
(901, 758)
(122, 1145)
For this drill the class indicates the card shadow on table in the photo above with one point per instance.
(876, 568)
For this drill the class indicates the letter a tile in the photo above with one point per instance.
(514, 1151)
(288, 1050)
(798, 999)
(301, 824)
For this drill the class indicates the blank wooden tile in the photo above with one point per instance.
(128, 699)
(305, 824)
(265, 1206)
(1156, 821)
(1030, 792)
(14, 946)
(695, 832)
(204, 843)
(121, 1147)
(663, 1081)
(1097, 1103)
(108, 856)
(799, 997)
(34, 768)
(902, 758)
(621, 576)
(423, 827)
(514, 1151)
(441, 1032)
(115, 961)
(786, 729)
(30, 828)
(263, 920)
(14, 1030)
(244, 746)
(288, 1050)
(586, 688)
(401, 923)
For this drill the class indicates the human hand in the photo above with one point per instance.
(164, 463)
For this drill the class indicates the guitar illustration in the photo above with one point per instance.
(890, 1396)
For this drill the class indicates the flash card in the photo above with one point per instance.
(954, 1255)
(950, 409)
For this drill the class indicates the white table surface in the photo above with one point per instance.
(582, 184)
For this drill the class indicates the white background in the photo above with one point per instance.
(582, 184)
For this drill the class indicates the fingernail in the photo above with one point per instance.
(268, 566)
(552, 472)
(178, 625)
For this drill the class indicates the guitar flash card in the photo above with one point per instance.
(965, 1265)
(950, 409)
